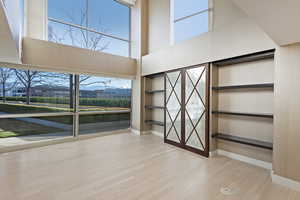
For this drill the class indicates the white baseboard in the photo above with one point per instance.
(294, 185)
(157, 133)
(213, 153)
(252, 161)
(135, 132)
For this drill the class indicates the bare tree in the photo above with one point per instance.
(28, 79)
(5, 75)
(81, 38)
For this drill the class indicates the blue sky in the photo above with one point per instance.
(113, 18)
(193, 26)
(183, 8)
(105, 16)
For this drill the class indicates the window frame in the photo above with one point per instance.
(95, 31)
(76, 113)
(209, 10)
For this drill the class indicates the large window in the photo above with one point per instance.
(100, 25)
(190, 18)
(37, 105)
(34, 106)
(104, 104)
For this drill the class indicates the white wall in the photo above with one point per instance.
(10, 31)
(286, 160)
(62, 58)
(279, 19)
(233, 34)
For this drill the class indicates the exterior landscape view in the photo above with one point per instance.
(34, 92)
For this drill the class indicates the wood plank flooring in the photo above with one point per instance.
(130, 167)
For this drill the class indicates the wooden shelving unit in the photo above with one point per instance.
(154, 107)
(246, 58)
(153, 91)
(241, 140)
(154, 97)
(243, 114)
(249, 86)
(155, 75)
(153, 122)
(228, 71)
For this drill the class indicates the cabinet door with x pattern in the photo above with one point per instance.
(187, 106)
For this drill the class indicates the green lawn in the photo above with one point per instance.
(14, 128)
(22, 108)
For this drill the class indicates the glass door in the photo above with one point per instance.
(173, 104)
(187, 105)
(196, 109)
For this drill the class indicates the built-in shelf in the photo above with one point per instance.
(154, 91)
(241, 140)
(250, 86)
(158, 75)
(243, 114)
(246, 58)
(154, 107)
(153, 122)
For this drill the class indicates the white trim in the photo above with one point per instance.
(172, 31)
(213, 153)
(45, 24)
(127, 2)
(54, 141)
(211, 15)
(286, 182)
(87, 29)
(192, 15)
(136, 132)
(173, 20)
(252, 161)
(157, 133)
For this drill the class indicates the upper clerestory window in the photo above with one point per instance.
(99, 25)
(189, 18)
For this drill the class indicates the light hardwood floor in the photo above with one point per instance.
(126, 166)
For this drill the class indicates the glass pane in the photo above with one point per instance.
(195, 108)
(191, 27)
(29, 91)
(195, 142)
(108, 45)
(17, 131)
(68, 35)
(110, 17)
(104, 94)
(188, 7)
(72, 11)
(89, 124)
(173, 117)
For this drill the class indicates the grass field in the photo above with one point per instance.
(14, 128)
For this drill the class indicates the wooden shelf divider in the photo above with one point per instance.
(243, 114)
(250, 86)
(154, 107)
(246, 58)
(157, 75)
(154, 91)
(242, 140)
(153, 122)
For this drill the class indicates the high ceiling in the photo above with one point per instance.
(278, 18)
(8, 48)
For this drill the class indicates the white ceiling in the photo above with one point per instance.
(8, 47)
(280, 19)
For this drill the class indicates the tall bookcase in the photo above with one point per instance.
(154, 103)
(242, 105)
